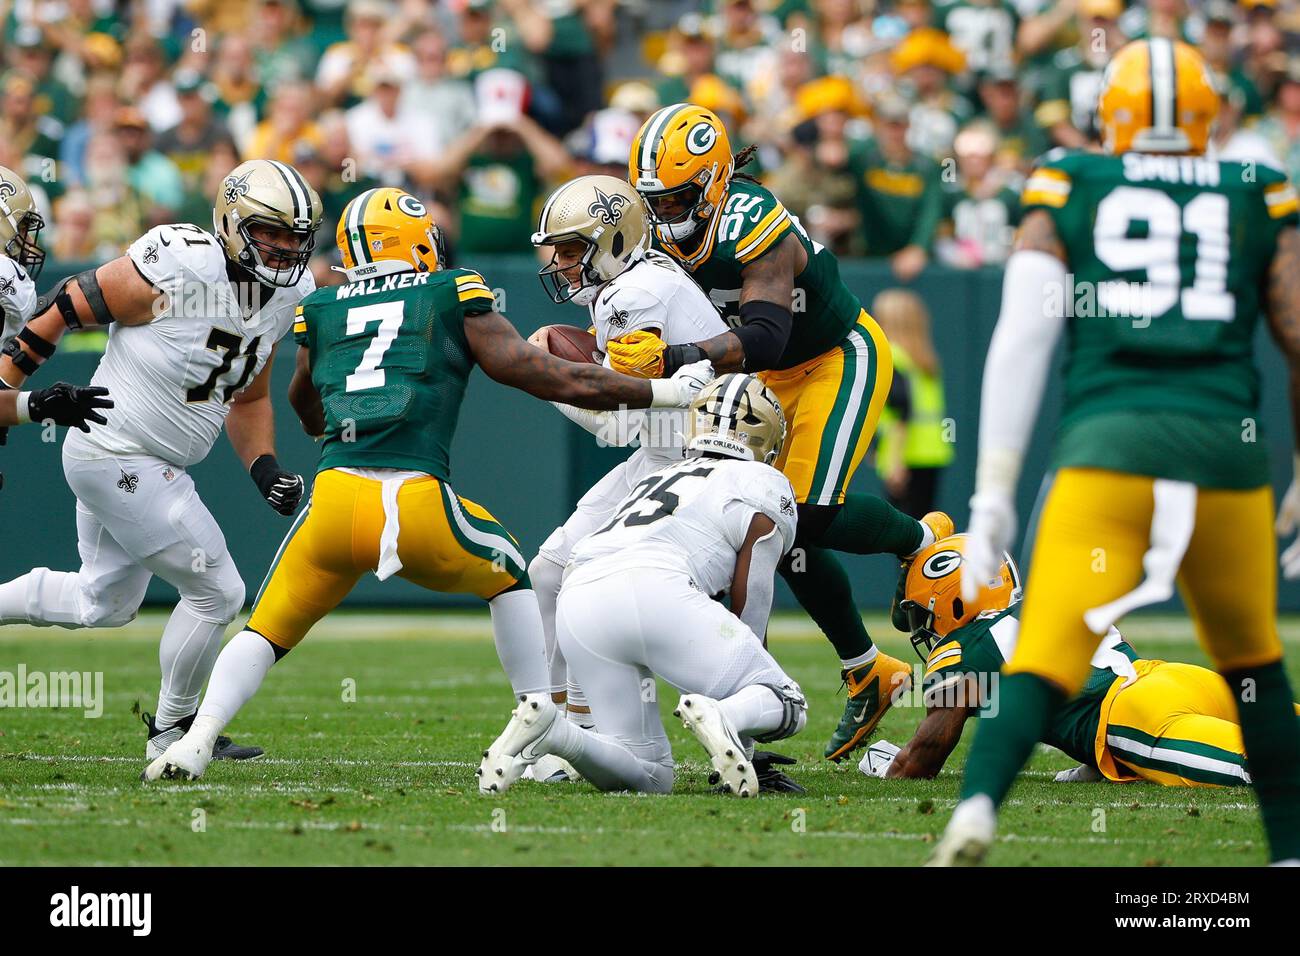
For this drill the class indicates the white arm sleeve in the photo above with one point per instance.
(1015, 371)
(618, 428)
(759, 587)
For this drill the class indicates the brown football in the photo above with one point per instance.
(572, 344)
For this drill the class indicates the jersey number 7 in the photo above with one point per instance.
(368, 374)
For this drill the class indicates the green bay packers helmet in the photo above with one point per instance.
(681, 164)
(606, 215)
(269, 193)
(736, 416)
(20, 223)
(932, 601)
(387, 230)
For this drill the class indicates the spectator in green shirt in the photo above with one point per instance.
(33, 54)
(898, 194)
(1021, 139)
(982, 208)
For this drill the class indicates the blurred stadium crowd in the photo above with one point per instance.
(893, 128)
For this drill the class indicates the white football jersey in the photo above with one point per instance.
(656, 293)
(17, 297)
(172, 381)
(692, 516)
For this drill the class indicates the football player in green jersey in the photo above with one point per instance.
(382, 368)
(1155, 258)
(795, 323)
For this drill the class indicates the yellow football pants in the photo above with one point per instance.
(832, 404)
(1176, 726)
(1093, 533)
(446, 543)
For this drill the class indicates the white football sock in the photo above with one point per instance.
(546, 576)
(578, 711)
(41, 597)
(521, 645)
(186, 654)
(753, 710)
(606, 762)
(238, 673)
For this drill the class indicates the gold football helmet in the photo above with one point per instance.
(1157, 96)
(736, 416)
(606, 215)
(388, 230)
(932, 600)
(681, 164)
(20, 223)
(263, 192)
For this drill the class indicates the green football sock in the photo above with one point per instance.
(1004, 743)
(865, 524)
(1272, 739)
(821, 585)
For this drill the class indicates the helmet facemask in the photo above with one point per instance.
(920, 624)
(696, 210)
(24, 246)
(557, 284)
(256, 253)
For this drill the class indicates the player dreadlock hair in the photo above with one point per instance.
(743, 158)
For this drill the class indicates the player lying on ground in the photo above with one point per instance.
(381, 371)
(636, 603)
(602, 261)
(1172, 723)
(796, 324)
(193, 323)
(1157, 258)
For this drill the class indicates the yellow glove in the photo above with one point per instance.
(639, 353)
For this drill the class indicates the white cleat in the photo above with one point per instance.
(704, 718)
(969, 834)
(1080, 774)
(186, 759)
(553, 769)
(510, 754)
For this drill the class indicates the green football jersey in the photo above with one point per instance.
(750, 223)
(1166, 258)
(980, 648)
(389, 357)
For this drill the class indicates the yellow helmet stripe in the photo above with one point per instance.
(1164, 84)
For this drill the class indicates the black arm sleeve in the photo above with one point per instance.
(764, 330)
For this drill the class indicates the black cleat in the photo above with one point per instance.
(160, 740)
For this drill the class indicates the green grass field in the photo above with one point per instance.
(389, 778)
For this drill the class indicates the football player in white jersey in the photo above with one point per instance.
(21, 259)
(597, 229)
(636, 603)
(193, 323)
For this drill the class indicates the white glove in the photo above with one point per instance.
(992, 526)
(1288, 519)
(1080, 774)
(878, 758)
(680, 390)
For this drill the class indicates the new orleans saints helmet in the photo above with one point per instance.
(605, 214)
(388, 230)
(20, 223)
(270, 193)
(681, 164)
(1157, 96)
(736, 416)
(932, 599)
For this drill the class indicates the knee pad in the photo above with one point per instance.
(795, 712)
(217, 596)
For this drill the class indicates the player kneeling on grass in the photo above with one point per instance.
(1172, 723)
(382, 367)
(636, 604)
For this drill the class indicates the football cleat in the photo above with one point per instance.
(733, 768)
(552, 769)
(940, 525)
(771, 780)
(160, 740)
(871, 688)
(1080, 774)
(969, 834)
(185, 759)
(516, 749)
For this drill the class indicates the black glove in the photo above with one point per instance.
(281, 489)
(675, 356)
(72, 406)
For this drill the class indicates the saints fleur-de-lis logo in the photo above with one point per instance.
(151, 254)
(608, 209)
(7, 286)
(7, 189)
(787, 506)
(236, 186)
(128, 482)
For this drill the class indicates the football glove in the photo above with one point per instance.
(1288, 519)
(281, 489)
(992, 526)
(680, 390)
(878, 758)
(637, 353)
(69, 405)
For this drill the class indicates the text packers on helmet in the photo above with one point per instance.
(1157, 96)
(20, 223)
(388, 230)
(268, 193)
(606, 215)
(736, 416)
(932, 599)
(681, 164)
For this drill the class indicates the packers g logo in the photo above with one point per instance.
(607, 208)
(701, 138)
(410, 205)
(941, 564)
(235, 187)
